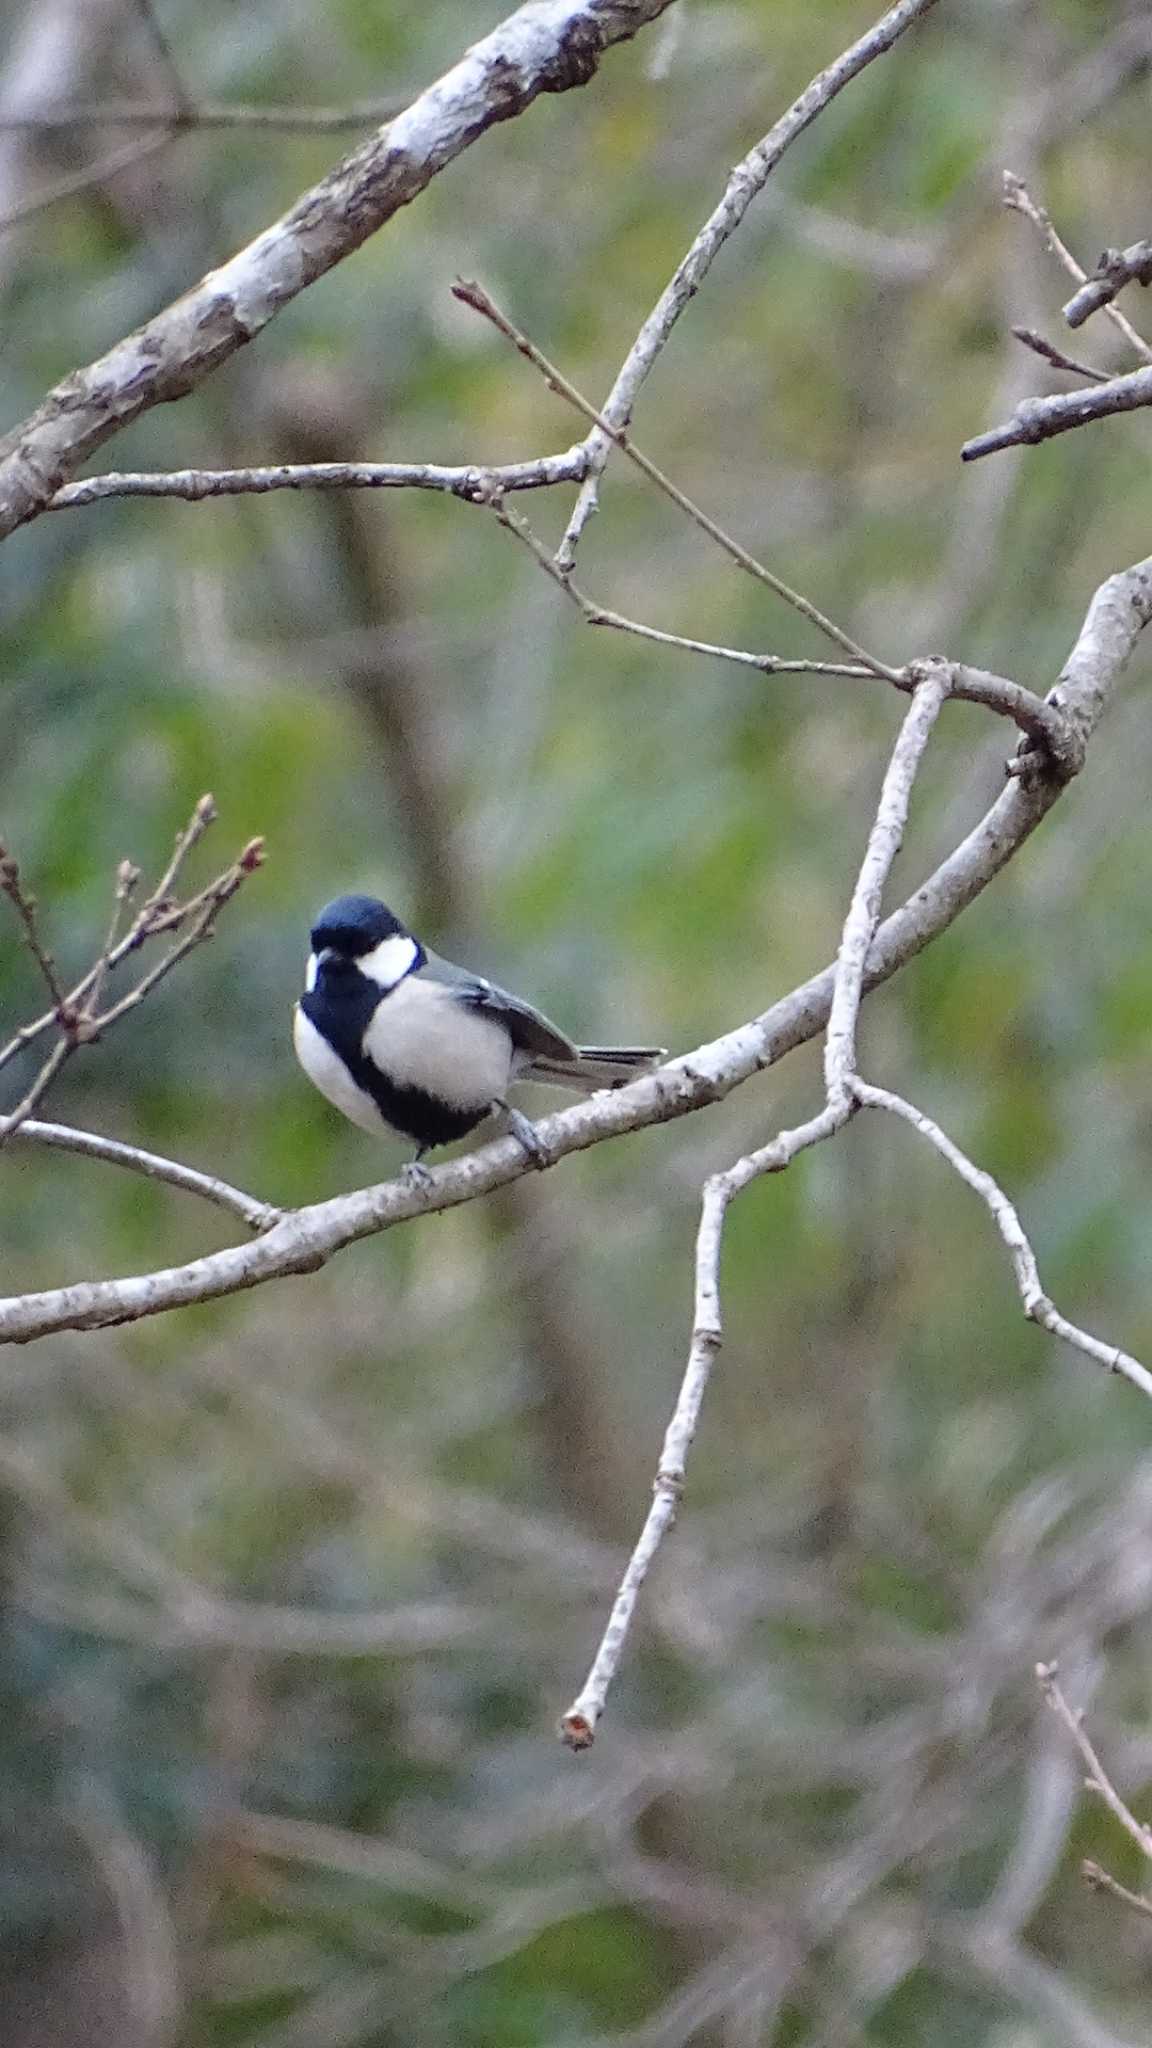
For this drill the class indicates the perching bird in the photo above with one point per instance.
(400, 1040)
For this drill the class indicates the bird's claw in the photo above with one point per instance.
(526, 1137)
(416, 1177)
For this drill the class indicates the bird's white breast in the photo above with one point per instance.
(422, 1036)
(327, 1072)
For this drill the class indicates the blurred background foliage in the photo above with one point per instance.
(297, 1584)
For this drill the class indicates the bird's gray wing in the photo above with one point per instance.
(528, 1029)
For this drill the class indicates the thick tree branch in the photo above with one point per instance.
(308, 1237)
(746, 181)
(545, 46)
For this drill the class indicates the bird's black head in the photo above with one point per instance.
(354, 926)
(358, 943)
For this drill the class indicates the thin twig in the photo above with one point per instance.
(578, 1723)
(89, 1145)
(12, 884)
(1098, 1780)
(474, 295)
(1102, 1880)
(1049, 353)
(1040, 721)
(596, 614)
(92, 174)
(181, 97)
(1020, 200)
(746, 181)
(158, 913)
(78, 1015)
(474, 482)
(1037, 1306)
(208, 114)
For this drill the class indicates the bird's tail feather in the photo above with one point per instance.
(597, 1066)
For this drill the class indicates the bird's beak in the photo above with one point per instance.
(325, 954)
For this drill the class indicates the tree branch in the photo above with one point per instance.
(472, 294)
(1041, 419)
(578, 1724)
(89, 1145)
(307, 1238)
(545, 46)
(1019, 199)
(746, 181)
(1116, 268)
(206, 114)
(1037, 1306)
(474, 482)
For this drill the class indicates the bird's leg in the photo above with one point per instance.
(524, 1134)
(415, 1175)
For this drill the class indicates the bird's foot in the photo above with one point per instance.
(526, 1136)
(416, 1177)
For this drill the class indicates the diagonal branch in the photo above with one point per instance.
(748, 178)
(472, 294)
(1037, 1306)
(307, 1238)
(90, 1145)
(545, 46)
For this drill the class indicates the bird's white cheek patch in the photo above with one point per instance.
(390, 961)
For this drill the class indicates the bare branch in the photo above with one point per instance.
(1098, 1780)
(474, 295)
(307, 1238)
(1040, 419)
(207, 114)
(89, 1145)
(578, 1724)
(746, 181)
(474, 482)
(11, 882)
(1037, 1306)
(1049, 353)
(78, 1015)
(1020, 200)
(1116, 268)
(545, 46)
(1101, 1880)
(1040, 722)
(75, 182)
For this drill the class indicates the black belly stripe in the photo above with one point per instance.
(410, 1111)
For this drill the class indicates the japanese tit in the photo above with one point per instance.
(400, 1040)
